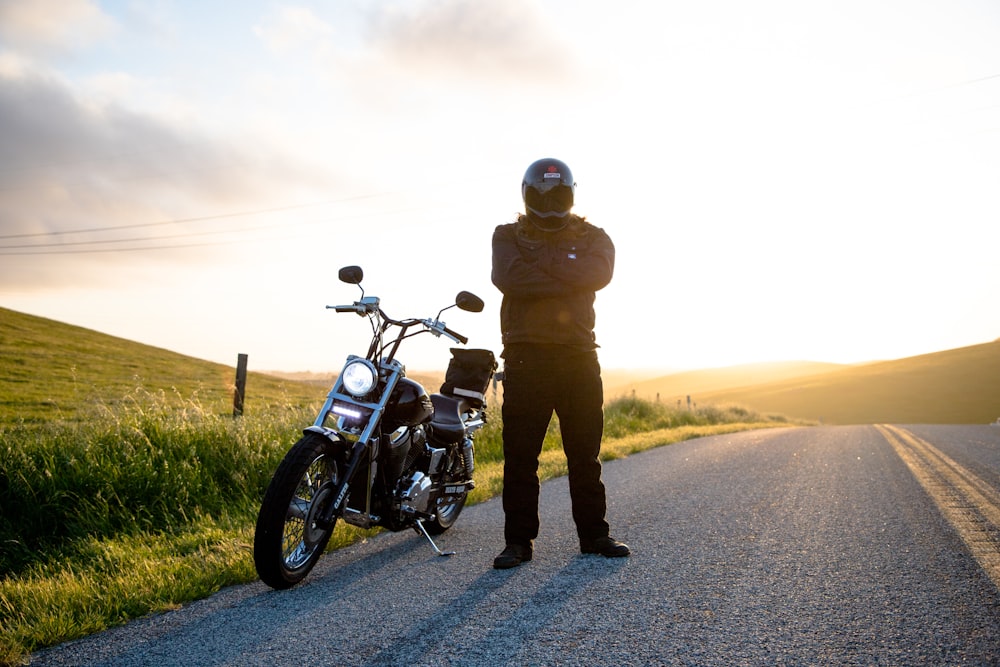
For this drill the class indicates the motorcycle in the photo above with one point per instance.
(381, 452)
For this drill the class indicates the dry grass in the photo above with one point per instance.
(960, 386)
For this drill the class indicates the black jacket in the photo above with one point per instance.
(548, 280)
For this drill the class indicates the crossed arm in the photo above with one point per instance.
(543, 269)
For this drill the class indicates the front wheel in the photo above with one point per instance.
(289, 539)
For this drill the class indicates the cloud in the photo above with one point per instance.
(496, 42)
(291, 28)
(406, 82)
(70, 164)
(46, 27)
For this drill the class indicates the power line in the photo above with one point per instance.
(105, 250)
(178, 221)
(59, 248)
(129, 240)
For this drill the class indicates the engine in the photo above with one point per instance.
(417, 496)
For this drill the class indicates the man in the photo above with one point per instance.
(549, 264)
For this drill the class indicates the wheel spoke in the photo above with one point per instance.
(291, 529)
(300, 534)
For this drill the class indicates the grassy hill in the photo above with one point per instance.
(50, 370)
(950, 387)
(678, 386)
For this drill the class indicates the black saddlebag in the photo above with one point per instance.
(469, 374)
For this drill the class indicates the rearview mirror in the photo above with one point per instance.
(351, 274)
(468, 301)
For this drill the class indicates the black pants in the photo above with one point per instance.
(538, 382)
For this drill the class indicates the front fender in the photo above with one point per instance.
(329, 433)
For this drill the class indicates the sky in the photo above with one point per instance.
(782, 179)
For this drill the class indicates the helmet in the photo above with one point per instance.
(547, 190)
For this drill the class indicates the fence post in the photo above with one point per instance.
(241, 385)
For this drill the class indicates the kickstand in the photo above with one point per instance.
(421, 529)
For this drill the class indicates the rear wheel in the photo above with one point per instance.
(289, 538)
(450, 507)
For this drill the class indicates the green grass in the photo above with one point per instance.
(51, 371)
(145, 465)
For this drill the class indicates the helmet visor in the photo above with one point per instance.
(545, 201)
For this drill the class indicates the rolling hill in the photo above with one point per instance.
(950, 387)
(51, 370)
(678, 386)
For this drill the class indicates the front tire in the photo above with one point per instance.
(288, 539)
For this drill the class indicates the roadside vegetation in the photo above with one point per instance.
(149, 501)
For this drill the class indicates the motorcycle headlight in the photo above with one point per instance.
(359, 377)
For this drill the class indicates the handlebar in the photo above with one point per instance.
(381, 350)
(370, 305)
(456, 336)
(366, 305)
(437, 327)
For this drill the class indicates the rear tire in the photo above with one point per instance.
(447, 514)
(288, 541)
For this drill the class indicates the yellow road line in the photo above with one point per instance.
(971, 505)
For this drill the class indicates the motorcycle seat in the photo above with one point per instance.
(447, 420)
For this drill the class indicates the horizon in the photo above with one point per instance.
(781, 181)
(654, 370)
(651, 371)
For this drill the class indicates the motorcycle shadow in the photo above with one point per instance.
(340, 569)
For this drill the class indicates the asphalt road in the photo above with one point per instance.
(781, 547)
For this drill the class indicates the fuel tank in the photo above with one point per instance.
(410, 405)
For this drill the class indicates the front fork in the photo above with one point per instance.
(326, 519)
